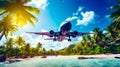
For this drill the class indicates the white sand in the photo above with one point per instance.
(76, 56)
(71, 56)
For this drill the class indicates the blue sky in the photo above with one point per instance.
(85, 15)
(58, 11)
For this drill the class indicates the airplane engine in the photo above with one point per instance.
(51, 33)
(75, 33)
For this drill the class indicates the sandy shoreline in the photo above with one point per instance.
(71, 56)
(76, 56)
(97, 56)
(12, 60)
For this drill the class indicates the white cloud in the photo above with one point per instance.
(71, 18)
(40, 3)
(91, 34)
(43, 30)
(62, 23)
(80, 9)
(87, 17)
(47, 44)
(105, 31)
(79, 38)
(26, 36)
(2, 41)
(82, 17)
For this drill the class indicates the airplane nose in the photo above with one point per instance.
(66, 27)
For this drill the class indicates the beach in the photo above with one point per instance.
(74, 56)
(100, 60)
(104, 56)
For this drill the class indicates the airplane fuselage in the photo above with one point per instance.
(64, 29)
(63, 34)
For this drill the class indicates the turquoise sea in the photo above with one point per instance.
(65, 62)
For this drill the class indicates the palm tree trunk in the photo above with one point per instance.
(2, 35)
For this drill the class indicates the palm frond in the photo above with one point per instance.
(32, 9)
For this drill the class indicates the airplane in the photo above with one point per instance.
(63, 34)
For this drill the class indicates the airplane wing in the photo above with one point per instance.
(39, 33)
(83, 33)
(51, 33)
(75, 33)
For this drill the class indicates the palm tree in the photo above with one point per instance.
(9, 43)
(7, 28)
(20, 41)
(98, 37)
(37, 48)
(52, 52)
(3, 6)
(116, 15)
(9, 47)
(98, 34)
(111, 34)
(44, 51)
(89, 41)
(18, 12)
(21, 44)
(39, 45)
(26, 49)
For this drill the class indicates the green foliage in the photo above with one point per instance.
(20, 41)
(2, 51)
(98, 43)
(18, 47)
(115, 25)
(7, 28)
